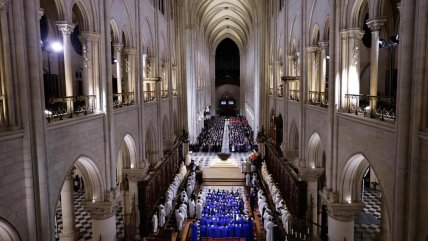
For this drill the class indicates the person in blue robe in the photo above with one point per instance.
(194, 228)
(203, 230)
(209, 231)
(230, 230)
(217, 233)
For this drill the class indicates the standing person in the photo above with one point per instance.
(199, 210)
(179, 217)
(192, 207)
(155, 222)
(269, 230)
(161, 216)
(248, 179)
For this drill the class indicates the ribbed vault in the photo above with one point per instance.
(220, 19)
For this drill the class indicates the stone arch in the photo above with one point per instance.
(126, 38)
(176, 124)
(150, 146)
(315, 38)
(7, 231)
(148, 36)
(127, 157)
(351, 177)
(94, 184)
(294, 137)
(359, 10)
(80, 11)
(316, 152)
(326, 32)
(165, 128)
(115, 31)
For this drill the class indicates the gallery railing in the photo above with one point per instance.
(318, 98)
(294, 95)
(377, 107)
(123, 99)
(149, 96)
(69, 106)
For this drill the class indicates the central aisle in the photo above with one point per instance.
(225, 144)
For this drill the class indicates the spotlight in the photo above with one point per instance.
(56, 46)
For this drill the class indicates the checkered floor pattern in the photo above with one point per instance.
(367, 223)
(203, 159)
(83, 219)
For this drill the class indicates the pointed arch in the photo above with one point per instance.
(294, 137)
(165, 128)
(115, 30)
(358, 13)
(326, 29)
(351, 177)
(126, 38)
(150, 146)
(316, 153)
(7, 231)
(81, 11)
(315, 37)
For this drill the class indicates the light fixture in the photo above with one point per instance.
(56, 47)
(327, 57)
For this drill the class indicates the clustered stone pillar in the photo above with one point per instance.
(66, 29)
(67, 207)
(375, 26)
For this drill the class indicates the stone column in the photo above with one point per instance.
(354, 41)
(153, 85)
(67, 205)
(311, 176)
(118, 53)
(103, 215)
(340, 217)
(134, 175)
(375, 26)
(6, 88)
(323, 69)
(86, 39)
(384, 221)
(130, 52)
(310, 55)
(66, 29)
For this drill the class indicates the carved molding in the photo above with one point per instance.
(135, 175)
(89, 37)
(65, 28)
(310, 174)
(376, 24)
(117, 47)
(102, 210)
(323, 44)
(130, 51)
(340, 211)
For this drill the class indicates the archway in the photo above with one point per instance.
(83, 183)
(294, 140)
(126, 158)
(150, 147)
(316, 154)
(359, 183)
(227, 77)
(8, 232)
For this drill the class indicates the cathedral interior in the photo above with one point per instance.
(116, 113)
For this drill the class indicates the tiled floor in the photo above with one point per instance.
(83, 219)
(367, 223)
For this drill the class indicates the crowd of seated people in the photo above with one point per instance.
(223, 216)
(211, 137)
(240, 134)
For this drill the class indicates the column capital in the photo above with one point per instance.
(130, 51)
(376, 24)
(310, 174)
(117, 47)
(355, 33)
(65, 28)
(337, 210)
(102, 210)
(312, 48)
(89, 36)
(323, 45)
(4, 5)
(135, 175)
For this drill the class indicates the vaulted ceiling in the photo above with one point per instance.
(222, 19)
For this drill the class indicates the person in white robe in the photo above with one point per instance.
(155, 222)
(162, 215)
(179, 217)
